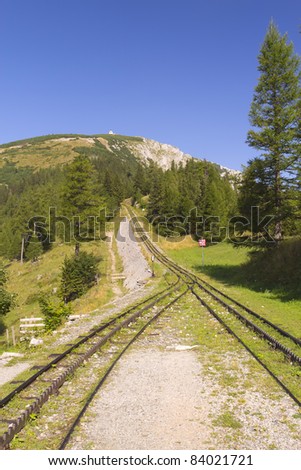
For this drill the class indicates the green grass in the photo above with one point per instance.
(39, 139)
(45, 138)
(51, 150)
(227, 268)
(29, 280)
(227, 420)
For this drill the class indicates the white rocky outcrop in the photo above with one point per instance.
(162, 154)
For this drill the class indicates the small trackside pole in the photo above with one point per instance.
(202, 244)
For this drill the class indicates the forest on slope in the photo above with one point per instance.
(27, 192)
(41, 208)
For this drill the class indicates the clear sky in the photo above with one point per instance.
(178, 71)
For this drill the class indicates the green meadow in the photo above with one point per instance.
(270, 285)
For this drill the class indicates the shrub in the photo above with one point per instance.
(79, 273)
(54, 311)
(6, 299)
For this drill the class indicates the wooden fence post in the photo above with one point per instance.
(13, 335)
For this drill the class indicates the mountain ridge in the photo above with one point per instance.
(56, 149)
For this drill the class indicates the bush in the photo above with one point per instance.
(54, 311)
(2, 327)
(6, 299)
(3, 277)
(79, 273)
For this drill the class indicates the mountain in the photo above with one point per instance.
(116, 167)
(53, 150)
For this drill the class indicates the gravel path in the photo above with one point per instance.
(136, 269)
(168, 394)
(7, 372)
(136, 272)
(151, 415)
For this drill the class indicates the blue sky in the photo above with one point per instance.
(181, 72)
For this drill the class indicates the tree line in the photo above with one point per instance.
(189, 198)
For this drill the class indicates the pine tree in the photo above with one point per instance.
(80, 199)
(276, 113)
(171, 195)
(79, 273)
(156, 196)
(140, 184)
(113, 190)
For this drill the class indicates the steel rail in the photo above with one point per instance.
(5, 400)
(277, 344)
(230, 330)
(18, 423)
(259, 331)
(109, 370)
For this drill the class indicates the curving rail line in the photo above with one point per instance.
(274, 336)
(86, 346)
(71, 359)
(102, 380)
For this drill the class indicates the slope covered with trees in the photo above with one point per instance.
(71, 203)
(27, 192)
(95, 177)
(190, 199)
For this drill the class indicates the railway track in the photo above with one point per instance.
(239, 320)
(29, 396)
(129, 343)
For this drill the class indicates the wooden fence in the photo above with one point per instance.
(29, 326)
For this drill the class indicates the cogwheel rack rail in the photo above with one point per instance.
(250, 319)
(92, 342)
(71, 429)
(267, 331)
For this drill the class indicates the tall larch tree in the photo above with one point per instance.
(276, 119)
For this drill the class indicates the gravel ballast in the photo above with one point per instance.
(168, 393)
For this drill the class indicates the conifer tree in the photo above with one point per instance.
(79, 273)
(276, 116)
(80, 200)
(156, 196)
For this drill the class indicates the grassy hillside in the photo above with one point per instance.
(30, 280)
(52, 150)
